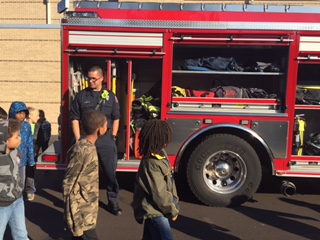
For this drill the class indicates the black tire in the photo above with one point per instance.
(223, 171)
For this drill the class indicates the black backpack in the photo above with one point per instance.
(313, 145)
(307, 96)
(212, 63)
(259, 93)
(230, 92)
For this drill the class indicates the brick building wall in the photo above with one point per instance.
(30, 56)
(30, 51)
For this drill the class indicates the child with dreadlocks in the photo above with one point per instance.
(155, 197)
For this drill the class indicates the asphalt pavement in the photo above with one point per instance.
(267, 216)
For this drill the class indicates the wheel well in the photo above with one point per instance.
(265, 159)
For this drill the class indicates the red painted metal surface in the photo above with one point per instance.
(201, 37)
(166, 15)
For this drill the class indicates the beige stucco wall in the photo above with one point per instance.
(30, 56)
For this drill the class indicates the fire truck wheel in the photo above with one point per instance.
(223, 171)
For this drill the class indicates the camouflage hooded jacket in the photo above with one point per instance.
(11, 185)
(81, 188)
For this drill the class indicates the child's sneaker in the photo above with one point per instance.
(30, 196)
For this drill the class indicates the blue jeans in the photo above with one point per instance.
(14, 215)
(157, 228)
(28, 182)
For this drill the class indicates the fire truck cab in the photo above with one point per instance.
(224, 76)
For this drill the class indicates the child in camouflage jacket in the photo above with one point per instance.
(81, 181)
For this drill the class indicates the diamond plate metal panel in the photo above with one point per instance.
(192, 25)
(196, 7)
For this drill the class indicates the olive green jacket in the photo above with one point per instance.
(155, 193)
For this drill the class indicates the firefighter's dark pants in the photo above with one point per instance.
(108, 157)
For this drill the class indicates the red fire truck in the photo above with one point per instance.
(225, 77)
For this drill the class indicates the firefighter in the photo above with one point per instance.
(96, 96)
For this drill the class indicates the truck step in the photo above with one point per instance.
(128, 165)
(305, 167)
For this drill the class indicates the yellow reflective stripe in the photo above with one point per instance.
(157, 156)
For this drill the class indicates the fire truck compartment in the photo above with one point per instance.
(224, 76)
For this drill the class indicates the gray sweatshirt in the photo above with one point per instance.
(11, 186)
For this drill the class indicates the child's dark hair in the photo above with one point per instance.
(3, 113)
(155, 134)
(92, 120)
(13, 126)
(42, 116)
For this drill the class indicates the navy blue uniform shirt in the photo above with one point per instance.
(87, 100)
